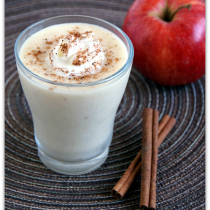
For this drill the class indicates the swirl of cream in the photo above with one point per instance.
(77, 55)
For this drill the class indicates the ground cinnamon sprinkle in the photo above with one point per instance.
(81, 58)
(109, 61)
(64, 48)
(109, 54)
(49, 43)
(36, 53)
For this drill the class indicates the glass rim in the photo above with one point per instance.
(123, 69)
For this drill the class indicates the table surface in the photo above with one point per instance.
(181, 166)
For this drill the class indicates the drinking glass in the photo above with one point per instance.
(73, 123)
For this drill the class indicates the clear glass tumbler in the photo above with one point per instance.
(73, 123)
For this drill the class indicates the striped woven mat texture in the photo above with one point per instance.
(181, 167)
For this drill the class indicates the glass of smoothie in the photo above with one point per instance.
(73, 70)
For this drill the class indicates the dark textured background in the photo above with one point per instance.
(181, 167)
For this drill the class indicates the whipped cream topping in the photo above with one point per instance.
(77, 55)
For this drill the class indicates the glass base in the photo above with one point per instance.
(73, 168)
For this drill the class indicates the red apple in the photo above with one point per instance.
(168, 38)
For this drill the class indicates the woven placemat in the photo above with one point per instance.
(181, 167)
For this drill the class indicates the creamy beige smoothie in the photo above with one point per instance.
(73, 119)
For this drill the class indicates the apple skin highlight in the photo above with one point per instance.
(168, 52)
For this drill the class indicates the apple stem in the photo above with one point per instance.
(188, 6)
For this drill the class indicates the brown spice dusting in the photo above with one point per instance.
(75, 33)
(108, 54)
(81, 58)
(36, 53)
(109, 61)
(64, 48)
(49, 43)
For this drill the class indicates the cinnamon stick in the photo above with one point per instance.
(152, 198)
(146, 156)
(115, 191)
(134, 168)
(163, 122)
(166, 130)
